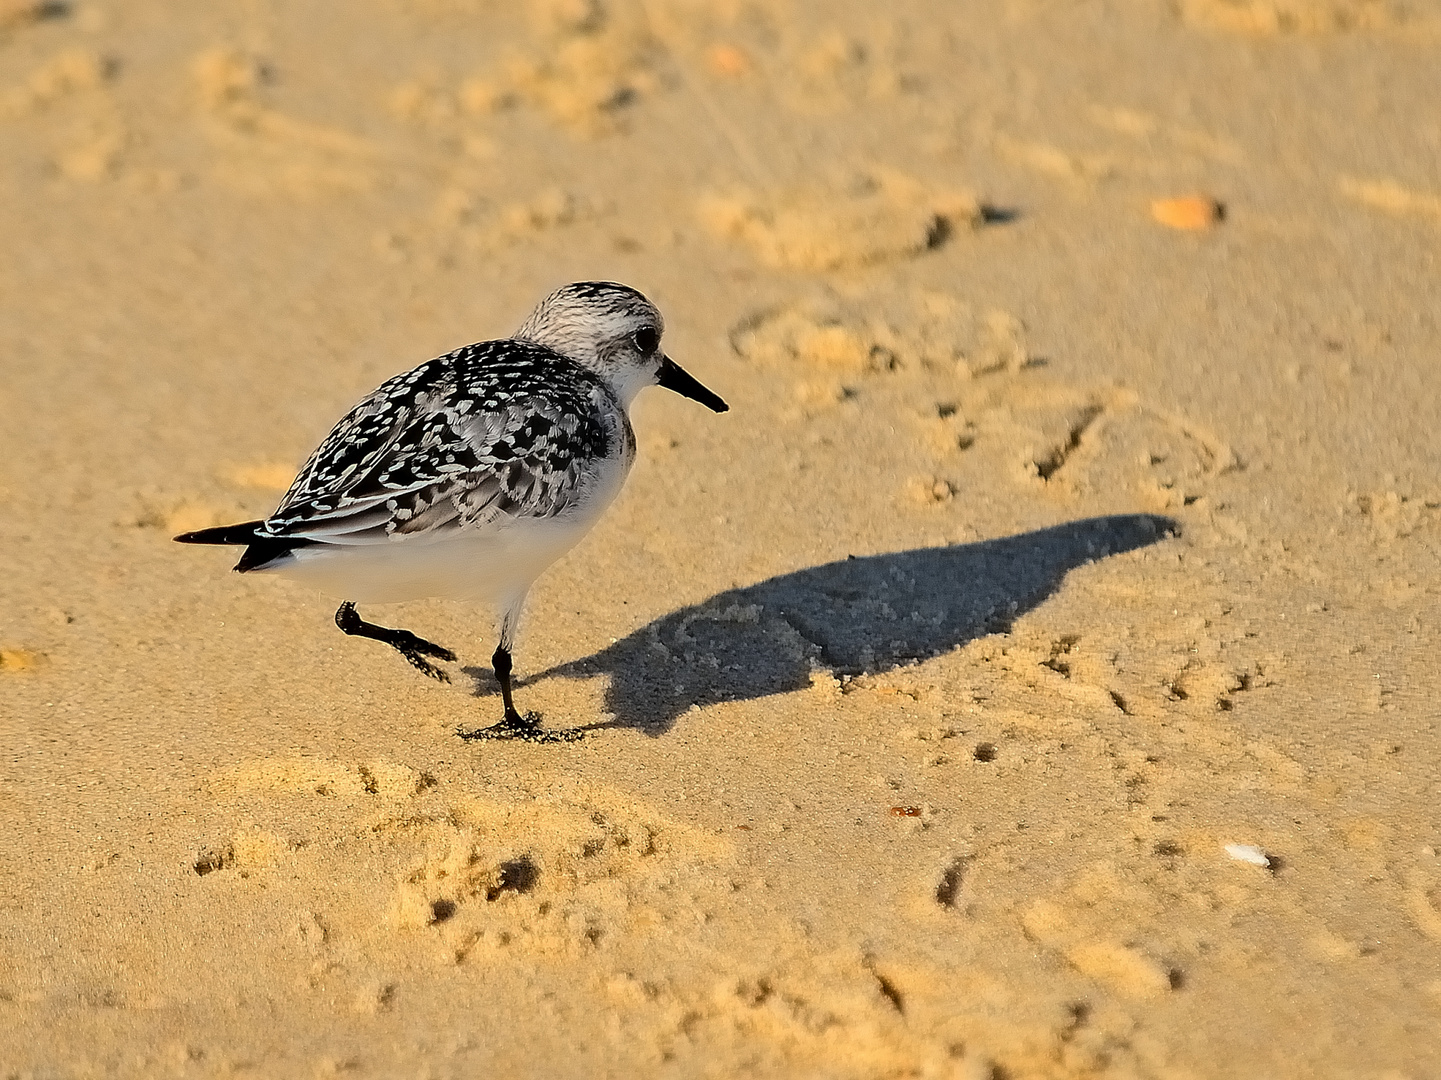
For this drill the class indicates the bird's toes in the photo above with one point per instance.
(539, 736)
(430, 648)
(411, 644)
(425, 667)
(521, 728)
(493, 733)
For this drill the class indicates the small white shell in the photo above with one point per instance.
(1248, 853)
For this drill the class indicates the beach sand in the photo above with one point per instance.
(1033, 675)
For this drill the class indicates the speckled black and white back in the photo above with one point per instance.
(500, 428)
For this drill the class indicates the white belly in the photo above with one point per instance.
(494, 565)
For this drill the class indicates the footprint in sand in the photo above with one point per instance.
(1394, 516)
(75, 86)
(1079, 443)
(1423, 903)
(463, 220)
(323, 776)
(16, 660)
(839, 70)
(1393, 198)
(560, 873)
(827, 333)
(69, 74)
(1269, 17)
(583, 66)
(1073, 442)
(1077, 929)
(879, 216)
(262, 151)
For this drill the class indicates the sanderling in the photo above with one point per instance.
(467, 476)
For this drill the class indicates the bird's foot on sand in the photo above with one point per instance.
(525, 728)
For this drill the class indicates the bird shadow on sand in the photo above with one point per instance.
(862, 615)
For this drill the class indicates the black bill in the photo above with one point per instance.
(674, 377)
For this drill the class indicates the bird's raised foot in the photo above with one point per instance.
(525, 728)
(411, 646)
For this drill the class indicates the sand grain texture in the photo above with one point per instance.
(1045, 552)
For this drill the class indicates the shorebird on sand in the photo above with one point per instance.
(467, 476)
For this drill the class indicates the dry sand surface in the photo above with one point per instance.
(1033, 675)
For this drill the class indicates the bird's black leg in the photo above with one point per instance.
(500, 661)
(414, 649)
(514, 725)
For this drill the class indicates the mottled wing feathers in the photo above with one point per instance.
(501, 428)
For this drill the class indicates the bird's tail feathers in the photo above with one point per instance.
(261, 552)
(244, 533)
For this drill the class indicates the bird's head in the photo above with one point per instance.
(615, 331)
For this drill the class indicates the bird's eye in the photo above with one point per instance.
(646, 339)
